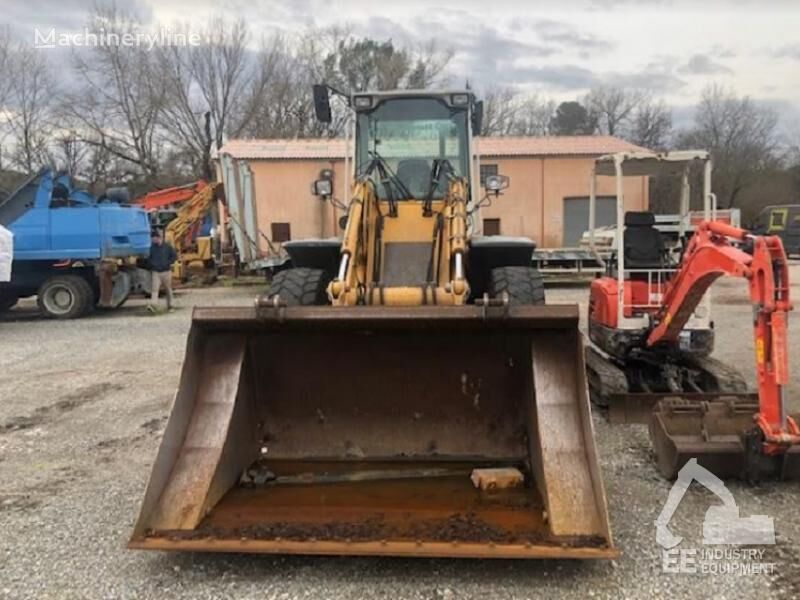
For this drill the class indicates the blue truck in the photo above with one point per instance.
(69, 248)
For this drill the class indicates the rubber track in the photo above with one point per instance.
(728, 378)
(605, 378)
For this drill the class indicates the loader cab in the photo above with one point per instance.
(418, 138)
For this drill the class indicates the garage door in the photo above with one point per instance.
(576, 217)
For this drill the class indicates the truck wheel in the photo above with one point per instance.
(300, 287)
(65, 297)
(523, 285)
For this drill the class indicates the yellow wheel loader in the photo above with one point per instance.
(404, 391)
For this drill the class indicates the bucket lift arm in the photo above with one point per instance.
(710, 255)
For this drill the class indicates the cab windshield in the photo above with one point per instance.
(406, 137)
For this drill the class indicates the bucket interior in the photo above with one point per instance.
(366, 439)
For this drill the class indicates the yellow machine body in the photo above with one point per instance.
(381, 423)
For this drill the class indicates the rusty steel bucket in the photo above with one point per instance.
(721, 435)
(370, 430)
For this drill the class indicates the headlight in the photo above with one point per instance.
(322, 187)
(495, 183)
(363, 101)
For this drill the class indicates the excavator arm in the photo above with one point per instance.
(168, 196)
(711, 254)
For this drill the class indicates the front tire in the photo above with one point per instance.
(523, 285)
(300, 287)
(65, 297)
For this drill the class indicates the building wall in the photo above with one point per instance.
(532, 206)
(283, 195)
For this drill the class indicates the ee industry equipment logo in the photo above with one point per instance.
(722, 526)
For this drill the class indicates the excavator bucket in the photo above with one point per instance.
(426, 431)
(721, 435)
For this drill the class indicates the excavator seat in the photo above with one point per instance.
(643, 244)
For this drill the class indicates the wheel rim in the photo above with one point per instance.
(59, 299)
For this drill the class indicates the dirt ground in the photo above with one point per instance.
(82, 407)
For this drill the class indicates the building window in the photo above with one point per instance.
(487, 170)
(491, 227)
(281, 232)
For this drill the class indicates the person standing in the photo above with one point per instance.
(162, 255)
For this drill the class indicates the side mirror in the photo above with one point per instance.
(494, 184)
(322, 103)
(477, 117)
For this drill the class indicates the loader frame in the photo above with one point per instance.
(401, 420)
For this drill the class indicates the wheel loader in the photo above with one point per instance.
(402, 391)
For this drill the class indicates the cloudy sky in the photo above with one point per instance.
(558, 48)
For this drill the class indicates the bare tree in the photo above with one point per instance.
(69, 152)
(430, 62)
(5, 64)
(533, 116)
(499, 112)
(506, 112)
(5, 81)
(119, 105)
(222, 68)
(31, 94)
(613, 108)
(741, 137)
(651, 125)
(289, 111)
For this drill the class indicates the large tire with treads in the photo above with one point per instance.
(300, 287)
(65, 297)
(524, 285)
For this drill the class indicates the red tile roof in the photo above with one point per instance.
(566, 145)
(316, 148)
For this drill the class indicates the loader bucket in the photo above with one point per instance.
(425, 431)
(721, 435)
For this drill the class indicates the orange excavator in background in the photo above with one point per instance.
(638, 318)
(170, 197)
(183, 211)
(768, 441)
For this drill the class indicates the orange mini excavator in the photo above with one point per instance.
(638, 316)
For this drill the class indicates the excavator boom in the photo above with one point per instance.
(709, 255)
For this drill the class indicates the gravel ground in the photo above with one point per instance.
(82, 407)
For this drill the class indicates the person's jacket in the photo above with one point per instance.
(161, 257)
